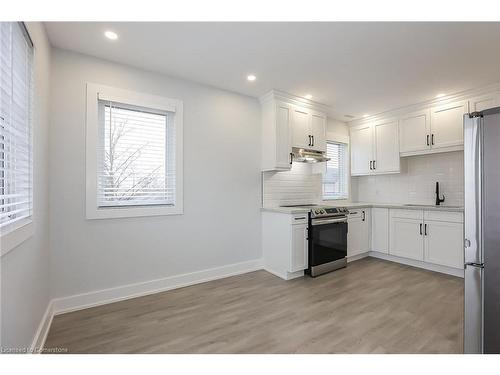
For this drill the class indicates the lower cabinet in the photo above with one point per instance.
(358, 231)
(434, 237)
(298, 258)
(443, 243)
(380, 230)
(284, 244)
(406, 240)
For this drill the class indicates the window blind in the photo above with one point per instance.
(136, 156)
(16, 93)
(335, 176)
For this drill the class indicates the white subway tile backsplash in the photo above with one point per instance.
(297, 186)
(416, 182)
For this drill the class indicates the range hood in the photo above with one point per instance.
(302, 155)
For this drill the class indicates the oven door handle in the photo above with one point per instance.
(328, 221)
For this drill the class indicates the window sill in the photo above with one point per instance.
(123, 212)
(16, 235)
(335, 199)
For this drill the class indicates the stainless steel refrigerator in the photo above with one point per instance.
(482, 231)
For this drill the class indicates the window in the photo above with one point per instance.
(16, 103)
(335, 176)
(135, 142)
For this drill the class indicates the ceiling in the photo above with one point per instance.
(356, 68)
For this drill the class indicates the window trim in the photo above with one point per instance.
(16, 233)
(96, 92)
(340, 139)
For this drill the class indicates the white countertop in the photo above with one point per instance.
(297, 210)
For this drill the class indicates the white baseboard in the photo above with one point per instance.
(110, 295)
(352, 258)
(43, 329)
(416, 263)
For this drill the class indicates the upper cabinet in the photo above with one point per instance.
(375, 148)
(447, 125)
(437, 129)
(482, 102)
(308, 129)
(288, 122)
(414, 132)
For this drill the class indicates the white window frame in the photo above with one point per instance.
(339, 138)
(14, 235)
(96, 92)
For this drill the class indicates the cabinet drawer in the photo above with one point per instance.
(452, 217)
(407, 214)
(299, 218)
(355, 213)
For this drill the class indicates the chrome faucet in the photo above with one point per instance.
(438, 200)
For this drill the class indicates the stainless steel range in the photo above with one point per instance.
(327, 239)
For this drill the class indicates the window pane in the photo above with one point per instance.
(335, 175)
(136, 156)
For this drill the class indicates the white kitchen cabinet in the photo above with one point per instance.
(414, 132)
(380, 230)
(482, 102)
(358, 231)
(361, 150)
(318, 131)
(308, 129)
(444, 243)
(298, 259)
(434, 237)
(375, 148)
(406, 239)
(447, 125)
(386, 147)
(285, 244)
(287, 122)
(276, 134)
(301, 128)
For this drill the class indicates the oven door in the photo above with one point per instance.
(327, 240)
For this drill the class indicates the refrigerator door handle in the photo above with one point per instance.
(472, 264)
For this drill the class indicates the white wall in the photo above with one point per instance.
(25, 269)
(221, 221)
(416, 182)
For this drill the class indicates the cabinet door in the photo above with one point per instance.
(444, 243)
(361, 150)
(405, 238)
(301, 128)
(283, 136)
(380, 230)
(318, 131)
(483, 102)
(298, 260)
(386, 146)
(414, 132)
(447, 125)
(358, 235)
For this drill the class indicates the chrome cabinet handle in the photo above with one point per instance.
(420, 228)
(312, 136)
(309, 140)
(432, 139)
(374, 164)
(364, 215)
(371, 162)
(291, 157)
(425, 229)
(428, 140)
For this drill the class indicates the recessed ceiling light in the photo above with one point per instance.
(308, 96)
(111, 35)
(365, 115)
(251, 77)
(440, 95)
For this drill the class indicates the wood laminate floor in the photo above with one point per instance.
(372, 306)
